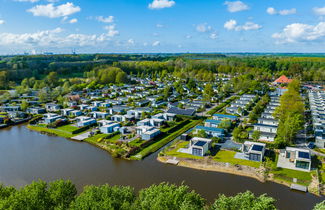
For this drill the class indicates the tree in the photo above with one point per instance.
(168, 196)
(121, 77)
(243, 201)
(256, 135)
(208, 92)
(3, 80)
(105, 197)
(225, 124)
(320, 206)
(52, 79)
(24, 105)
(62, 193)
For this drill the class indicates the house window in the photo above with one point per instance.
(302, 164)
(255, 157)
(287, 154)
(197, 152)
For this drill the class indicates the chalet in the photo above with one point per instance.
(197, 146)
(165, 116)
(83, 121)
(99, 115)
(36, 110)
(109, 128)
(212, 123)
(224, 116)
(179, 111)
(119, 118)
(253, 150)
(52, 107)
(295, 159)
(211, 131)
(66, 112)
(76, 113)
(51, 118)
(10, 108)
(282, 80)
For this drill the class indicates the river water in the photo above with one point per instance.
(27, 155)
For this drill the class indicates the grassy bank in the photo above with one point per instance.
(162, 142)
(229, 157)
(57, 132)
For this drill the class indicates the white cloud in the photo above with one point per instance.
(232, 25)
(74, 20)
(2, 22)
(111, 30)
(159, 25)
(156, 43)
(236, 6)
(109, 19)
(50, 38)
(203, 27)
(160, 4)
(52, 11)
(298, 32)
(131, 42)
(213, 36)
(273, 11)
(319, 10)
(188, 36)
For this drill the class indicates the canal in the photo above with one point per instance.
(27, 155)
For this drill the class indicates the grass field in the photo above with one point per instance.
(229, 157)
(68, 128)
(162, 142)
(57, 132)
(181, 144)
(287, 175)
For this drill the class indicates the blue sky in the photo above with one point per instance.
(122, 26)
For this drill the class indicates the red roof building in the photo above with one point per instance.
(283, 80)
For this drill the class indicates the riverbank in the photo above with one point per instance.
(209, 165)
(260, 174)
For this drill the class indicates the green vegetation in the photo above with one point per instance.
(173, 151)
(54, 131)
(68, 128)
(162, 142)
(246, 200)
(63, 195)
(222, 105)
(287, 175)
(290, 114)
(229, 157)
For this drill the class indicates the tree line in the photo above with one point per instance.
(62, 194)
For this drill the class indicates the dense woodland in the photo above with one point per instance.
(13, 69)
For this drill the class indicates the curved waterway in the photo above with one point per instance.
(27, 155)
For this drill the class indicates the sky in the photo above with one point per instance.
(161, 26)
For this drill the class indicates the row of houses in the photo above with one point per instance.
(317, 107)
(239, 106)
(267, 125)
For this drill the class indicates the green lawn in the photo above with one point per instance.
(181, 144)
(287, 175)
(228, 157)
(95, 138)
(68, 128)
(162, 142)
(60, 133)
(136, 142)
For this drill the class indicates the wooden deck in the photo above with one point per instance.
(298, 187)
